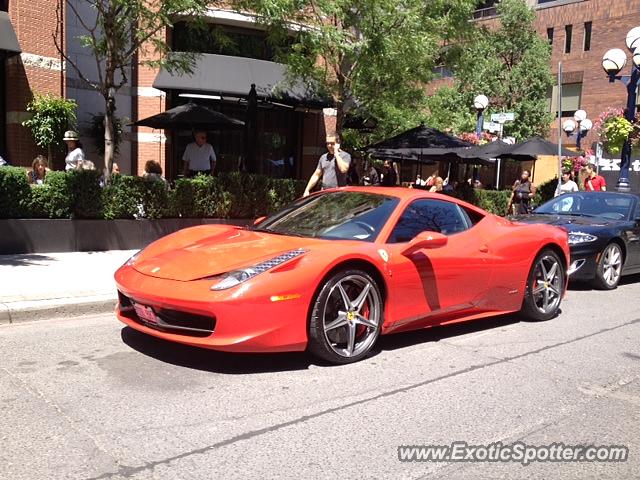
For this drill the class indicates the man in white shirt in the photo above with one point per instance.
(199, 156)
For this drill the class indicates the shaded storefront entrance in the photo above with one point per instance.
(254, 91)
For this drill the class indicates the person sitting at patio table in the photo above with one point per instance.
(199, 156)
(38, 171)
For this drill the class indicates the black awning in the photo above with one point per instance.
(8, 41)
(232, 76)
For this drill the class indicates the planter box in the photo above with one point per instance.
(45, 236)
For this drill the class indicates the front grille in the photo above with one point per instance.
(170, 321)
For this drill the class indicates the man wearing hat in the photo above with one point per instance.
(75, 156)
(332, 167)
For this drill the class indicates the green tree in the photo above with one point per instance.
(121, 32)
(510, 65)
(372, 58)
(50, 117)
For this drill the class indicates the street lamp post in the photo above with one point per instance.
(480, 103)
(580, 123)
(613, 62)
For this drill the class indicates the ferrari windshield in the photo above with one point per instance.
(334, 215)
(590, 204)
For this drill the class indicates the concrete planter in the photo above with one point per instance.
(44, 235)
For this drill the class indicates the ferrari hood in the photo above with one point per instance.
(224, 250)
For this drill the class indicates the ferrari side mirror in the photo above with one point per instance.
(425, 240)
(258, 220)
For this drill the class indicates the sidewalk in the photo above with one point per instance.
(48, 285)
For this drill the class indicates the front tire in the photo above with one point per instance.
(609, 268)
(346, 317)
(545, 286)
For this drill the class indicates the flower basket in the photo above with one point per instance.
(614, 129)
(473, 138)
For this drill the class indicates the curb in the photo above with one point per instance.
(31, 310)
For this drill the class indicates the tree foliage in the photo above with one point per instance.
(372, 58)
(50, 117)
(121, 32)
(510, 65)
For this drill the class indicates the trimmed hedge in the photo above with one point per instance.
(494, 201)
(77, 194)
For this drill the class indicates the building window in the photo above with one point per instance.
(487, 8)
(587, 36)
(571, 98)
(4, 5)
(223, 40)
(550, 35)
(568, 30)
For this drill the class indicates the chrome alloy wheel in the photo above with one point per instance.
(547, 284)
(611, 264)
(351, 316)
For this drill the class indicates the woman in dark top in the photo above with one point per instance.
(523, 192)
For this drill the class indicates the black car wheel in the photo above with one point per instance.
(609, 267)
(346, 317)
(545, 286)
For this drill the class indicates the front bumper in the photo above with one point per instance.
(583, 262)
(241, 319)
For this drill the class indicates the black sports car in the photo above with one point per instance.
(604, 233)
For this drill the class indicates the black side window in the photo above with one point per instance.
(429, 215)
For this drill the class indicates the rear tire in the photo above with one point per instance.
(346, 317)
(545, 286)
(609, 268)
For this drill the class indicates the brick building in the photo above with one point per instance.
(290, 132)
(580, 32)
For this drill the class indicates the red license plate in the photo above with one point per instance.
(145, 313)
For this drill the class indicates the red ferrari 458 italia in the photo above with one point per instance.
(333, 271)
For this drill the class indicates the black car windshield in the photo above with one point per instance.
(335, 215)
(611, 205)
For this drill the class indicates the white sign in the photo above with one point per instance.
(491, 127)
(503, 117)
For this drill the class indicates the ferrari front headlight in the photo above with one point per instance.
(132, 259)
(236, 277)
(576, 238)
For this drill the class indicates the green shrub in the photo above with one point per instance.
(494, 201)
(85, 190)
(14, 192)
(134, 197)
(202, 196)
(545, 191)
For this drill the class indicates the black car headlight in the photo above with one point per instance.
(577, 238)
(236, 277)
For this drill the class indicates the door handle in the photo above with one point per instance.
(484, 249)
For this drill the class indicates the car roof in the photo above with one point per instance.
(399, 192)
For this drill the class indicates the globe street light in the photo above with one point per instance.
(480, 103)
(613, 62)
(580, 123)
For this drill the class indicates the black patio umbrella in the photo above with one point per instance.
(494, 149)
(424, 143)
(188, 116)
(533, 147)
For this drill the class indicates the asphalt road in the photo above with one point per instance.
(90, 399)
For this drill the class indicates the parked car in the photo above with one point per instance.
(604, 233)
(333, 271)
